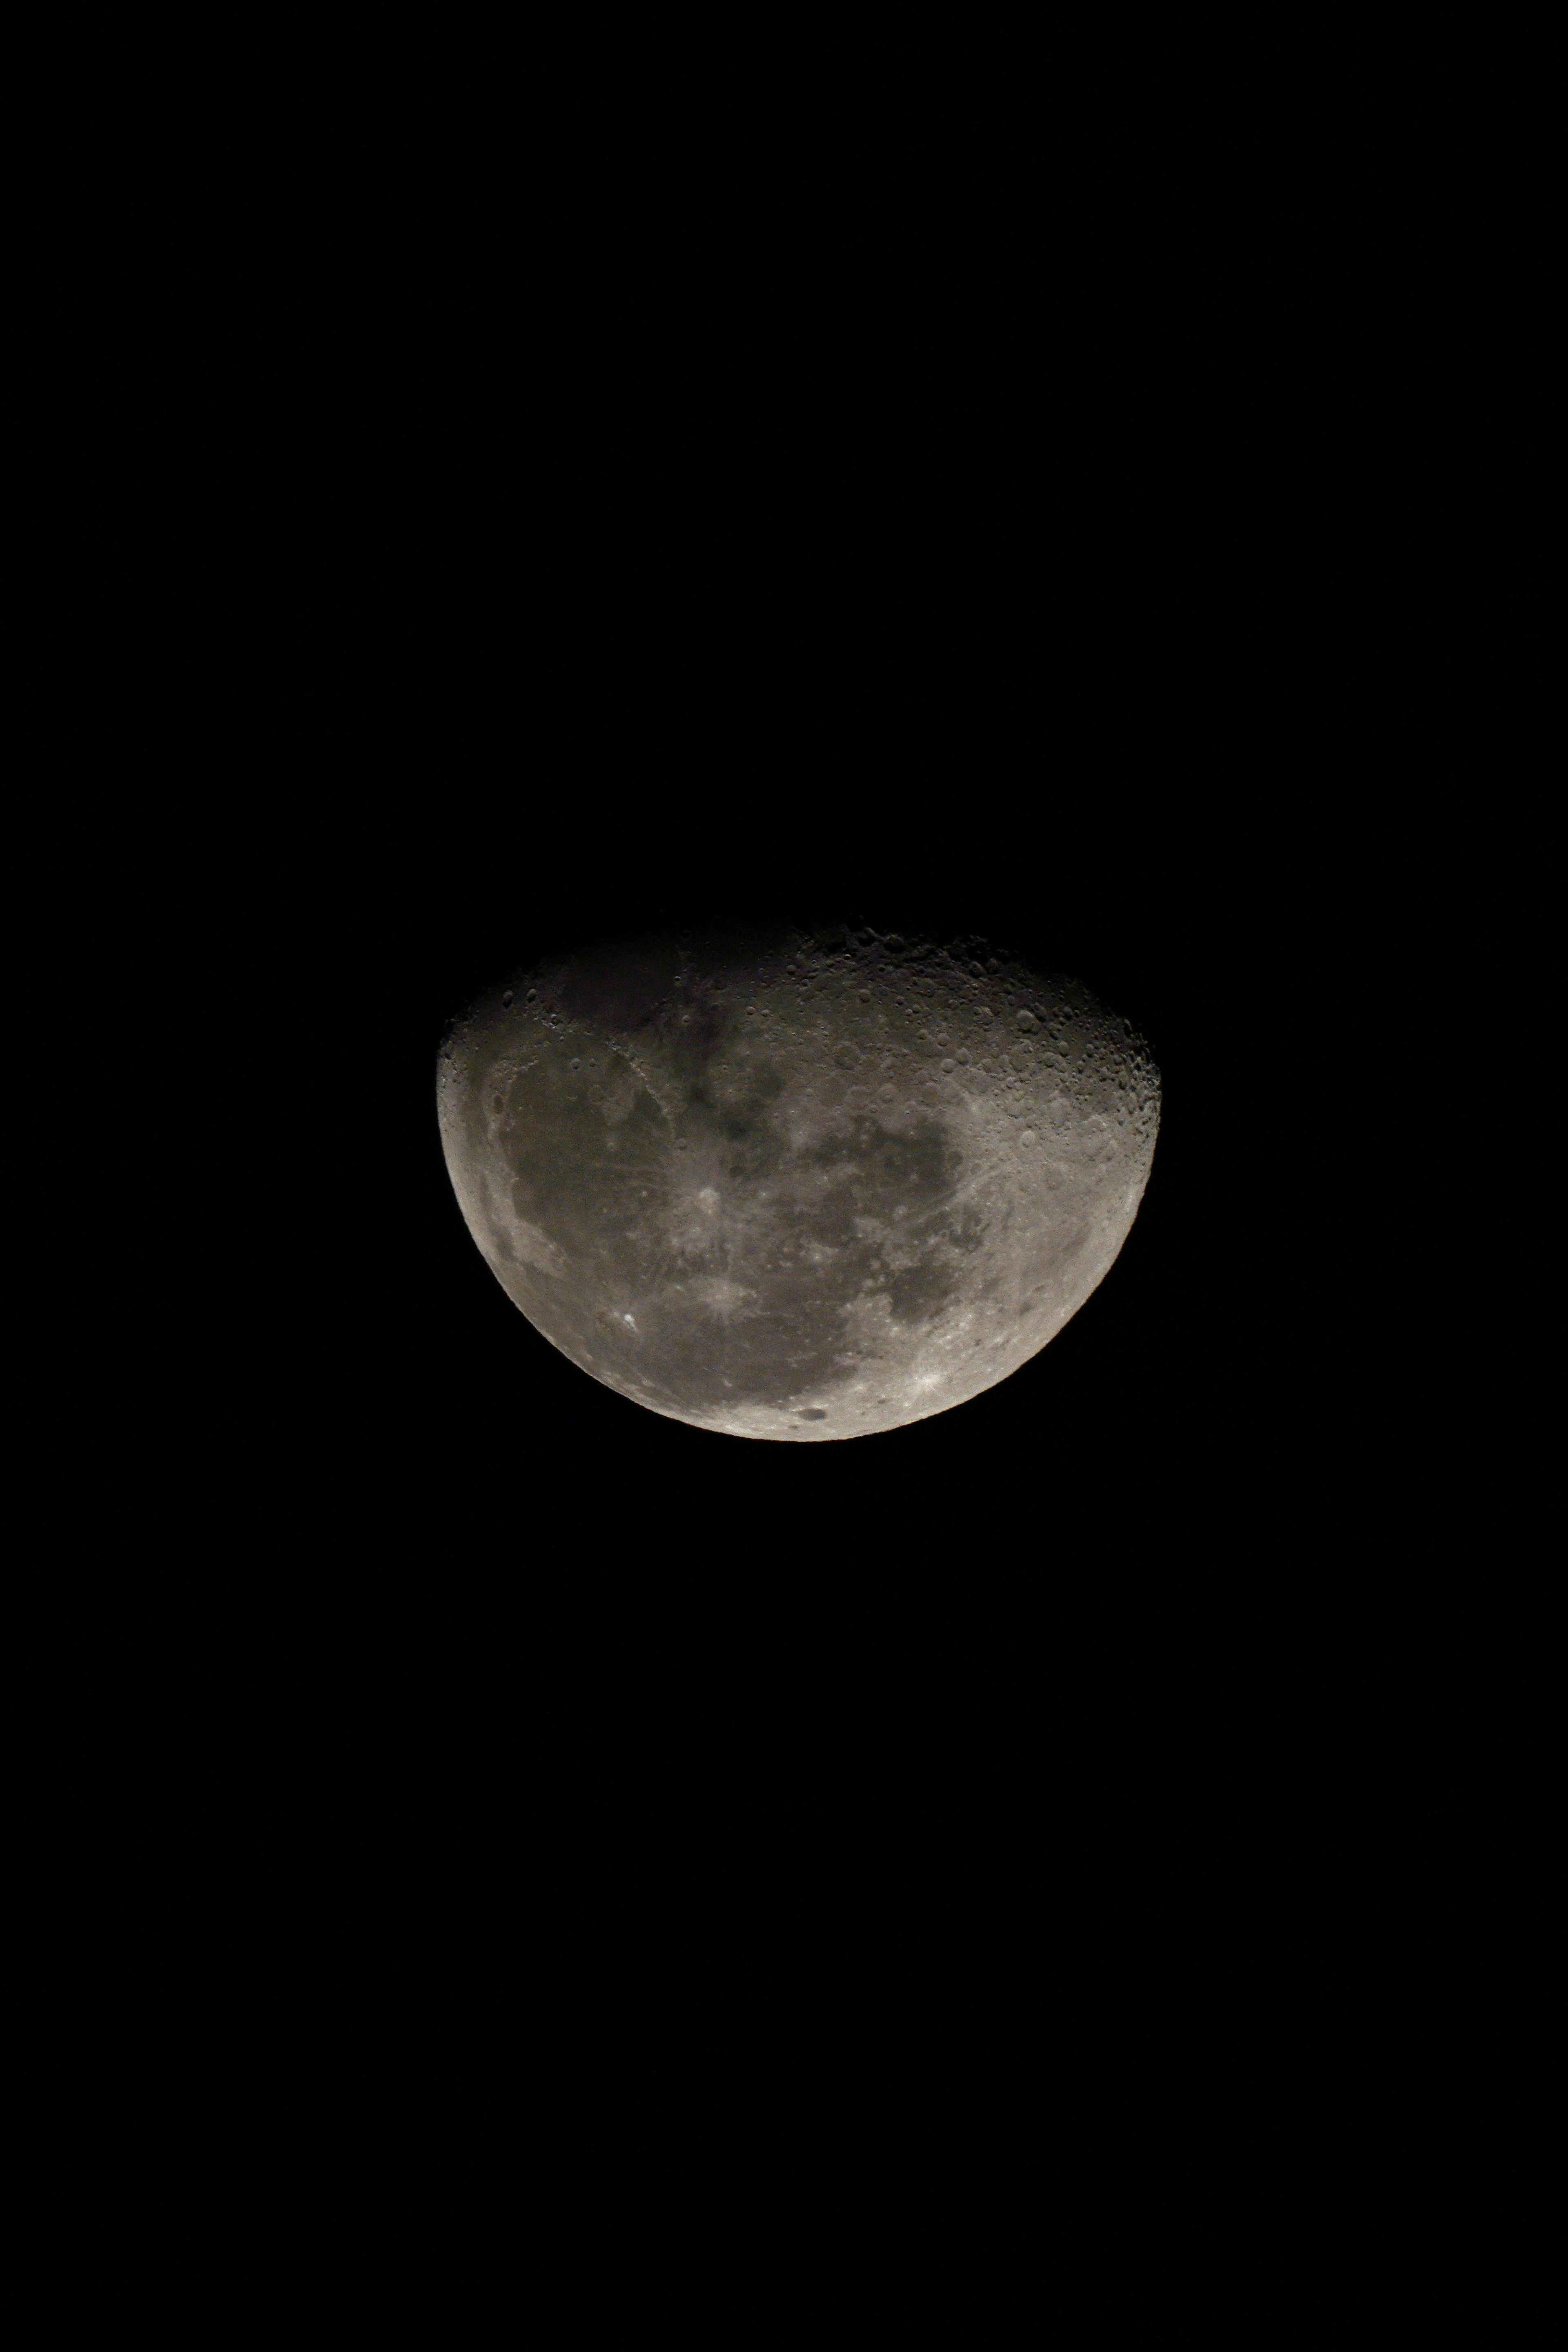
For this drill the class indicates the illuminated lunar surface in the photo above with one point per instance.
(796, 1186)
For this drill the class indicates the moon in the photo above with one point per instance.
(798, 1185)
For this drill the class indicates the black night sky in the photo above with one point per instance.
(909, 556)
(943, 544)
(943, 526)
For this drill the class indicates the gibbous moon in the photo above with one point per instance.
(796, 1185)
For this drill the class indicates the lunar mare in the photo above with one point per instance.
(796, 1186)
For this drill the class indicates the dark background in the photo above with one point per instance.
(952, 554)
(972, 514)
(938, 529)
(943, 534)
